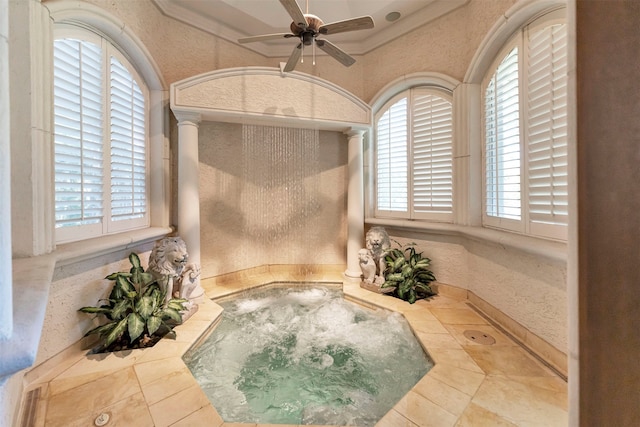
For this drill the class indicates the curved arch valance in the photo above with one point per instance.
(262, 95)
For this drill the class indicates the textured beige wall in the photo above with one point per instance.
(327, 68)
(445, 46)
(179, 50)
(234, 237)
(528, 289)
(448, 255)
(182, 51)
(78, 285)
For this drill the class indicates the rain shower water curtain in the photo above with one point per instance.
(280, 191)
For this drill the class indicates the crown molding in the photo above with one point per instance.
(434, 10)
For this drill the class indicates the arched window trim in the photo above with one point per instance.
(97, 20)
(108, 225)
(508, 26)
(524, 225)
(436, 80)
(433, 83)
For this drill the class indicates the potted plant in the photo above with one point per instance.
(136, 312)
(408, 273)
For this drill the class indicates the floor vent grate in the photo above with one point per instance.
(30, 412)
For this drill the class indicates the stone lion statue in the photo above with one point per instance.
(367, 265)
(168, 264)
(378, 243)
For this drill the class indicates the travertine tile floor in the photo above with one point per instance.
(471, 384)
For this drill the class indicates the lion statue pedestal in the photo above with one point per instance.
(177, 278)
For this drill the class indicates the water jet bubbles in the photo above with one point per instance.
(320, 364)
(308, 296)
(251, 305)
(326, 361)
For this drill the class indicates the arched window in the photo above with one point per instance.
(100, 138)
(525, 132)
(414, 155)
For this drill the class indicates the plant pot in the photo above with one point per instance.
(373, 287)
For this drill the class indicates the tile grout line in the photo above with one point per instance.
(146, 402)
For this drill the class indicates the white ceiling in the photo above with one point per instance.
(234, 19)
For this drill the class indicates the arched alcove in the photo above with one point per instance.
(268, 97)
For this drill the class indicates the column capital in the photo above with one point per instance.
(354, 132)
(188, 117)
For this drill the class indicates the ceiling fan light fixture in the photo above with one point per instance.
(307, 27)
(392, 16)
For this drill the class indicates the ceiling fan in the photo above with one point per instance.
(307, 27)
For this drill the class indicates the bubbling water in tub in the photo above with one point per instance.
(301, 355)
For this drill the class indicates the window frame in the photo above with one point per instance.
(107, 226)
(410, 214)
(524, 225)
(514, 42)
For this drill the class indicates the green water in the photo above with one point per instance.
(306, 356)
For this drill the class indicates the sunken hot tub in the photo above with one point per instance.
(302, 354)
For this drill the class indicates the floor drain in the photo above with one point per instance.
(479, 337)
(102, 419)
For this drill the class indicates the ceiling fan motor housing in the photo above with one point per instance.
(313, 24)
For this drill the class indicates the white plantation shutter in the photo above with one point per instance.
(414, 156)
(525, 105)
(128, 146)
(502, 141)
(391, 164)
(100, 140)
(78, 124)
(547, 129)
(432, 133)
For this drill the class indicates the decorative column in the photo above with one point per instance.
(188, 184)
(355, 203)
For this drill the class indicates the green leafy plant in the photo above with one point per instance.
(137, 313)
(408, 272)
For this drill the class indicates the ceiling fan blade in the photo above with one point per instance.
(295, 12)
(265, 37)
(354, 24)
(340, 55)
(293, 59)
